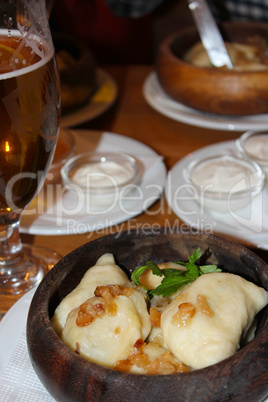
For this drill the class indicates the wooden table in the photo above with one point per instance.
(133, 117)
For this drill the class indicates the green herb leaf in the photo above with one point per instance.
(169, 285)
(192, 271)
(173, 278)
(192, 259)
(195, 256)
(139, 271)
(171, 272)
(207, 269)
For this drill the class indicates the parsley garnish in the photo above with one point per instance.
(173, 278)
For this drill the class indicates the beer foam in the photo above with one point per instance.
(31, 41)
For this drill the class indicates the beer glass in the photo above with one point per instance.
(29, 123)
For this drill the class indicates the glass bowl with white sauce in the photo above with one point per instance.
(101, 180)
(254, 146)
(224, 182)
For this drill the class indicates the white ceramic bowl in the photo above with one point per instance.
(224, 182)
(101, 180)
(254, 146)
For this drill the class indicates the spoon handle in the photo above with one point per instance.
(210, 34)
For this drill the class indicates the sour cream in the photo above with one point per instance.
(102, 174)
(254, 146)
(222, 174)
(257, 146)
(99, 181)
(224, 183)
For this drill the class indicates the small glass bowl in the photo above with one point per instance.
(254, 146)
(65, 149)
(100, 180)
(223, 182)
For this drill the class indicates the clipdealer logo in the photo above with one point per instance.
(184, 199)
(109, 227)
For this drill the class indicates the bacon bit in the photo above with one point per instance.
(185, 312)
(106, 293)
(165, 364)
(99, 308)
(168, 366)
(117, 330)
(110, 291)
(155, 317)
(139, 343)
(82, 319)
(123, 365)
(203, 305)
(88, 312)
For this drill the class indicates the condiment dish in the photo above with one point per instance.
(101, 180)
(253, 145)
(224, 182)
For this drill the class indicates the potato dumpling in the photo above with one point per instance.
(205, 323)
(105, 328)
(104, 272)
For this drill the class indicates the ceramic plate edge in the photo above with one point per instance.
(197, 118)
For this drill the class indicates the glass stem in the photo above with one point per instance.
(10, 244)
(19, 268)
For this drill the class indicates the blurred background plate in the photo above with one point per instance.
(97, 104)
(164, 104)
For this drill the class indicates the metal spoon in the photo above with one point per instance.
(210, 34)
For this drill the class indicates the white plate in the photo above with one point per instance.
(159, 100)
(14, 322)
(248, 225)
(97, 104)
(18, 380)
(55, 211)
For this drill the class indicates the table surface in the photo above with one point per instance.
(133, 117)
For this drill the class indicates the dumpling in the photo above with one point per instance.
(105, 272)
(245, 57)
(205, 323)
(105, 328)
(141, 306)
(151, 281)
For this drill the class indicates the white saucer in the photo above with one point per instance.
(55, 211)
(18, 380)
(249, 226)
(13, 322)
(101, 101)
(160, 101)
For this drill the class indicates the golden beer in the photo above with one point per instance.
(29, 119)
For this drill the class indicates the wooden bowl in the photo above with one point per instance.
(213, 90)
(69, 377)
